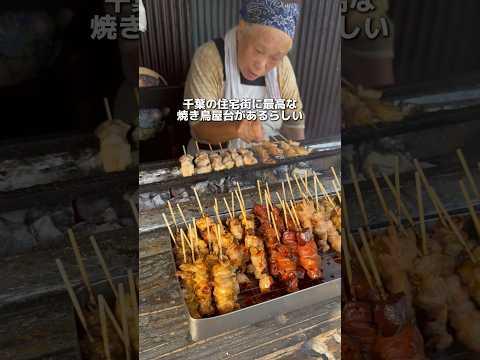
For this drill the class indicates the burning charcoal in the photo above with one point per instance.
(45, 232)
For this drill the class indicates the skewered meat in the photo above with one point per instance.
(204, 169)
(259, 260)
(189, 292)
(321, 228)
(286, 267)
(391, 315)
(305, 212)
(245, 152)
(249, 160)
(202, 160)
(186, 165)
(248, 223)
(464, 317)
(431, 298)
(235, 226)
(202, 288)
(272, 148)
(203, 222)
(336, 218)
(407, 344)
(357, 322)
(226, 287)
(236, 253)
(216, 161)
(447, 239)
(263, 154)
(308, 255)
(228, 161)
(470, 275)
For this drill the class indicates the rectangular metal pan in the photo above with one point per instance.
(314, 294)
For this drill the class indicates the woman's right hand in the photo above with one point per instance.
(250, 131)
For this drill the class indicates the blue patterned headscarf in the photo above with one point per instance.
(276, 13)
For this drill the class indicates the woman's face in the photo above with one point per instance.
(260, 49)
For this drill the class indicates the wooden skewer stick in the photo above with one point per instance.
(112, 318)
(441, 208)
(242, 206)
(182, 214)
(284, 210)
(230, 214)
(196, 145)
(473, 213)
(379, 194)
(269, 216)
(172, 214)
(242, 200)
(81, 266)
(259, 192)
(348, 264)
(194, 232)
(107, 109)
(353, 174)
(316, 192)
(339, 184)
(184, 150)
(124, 310)
(103, 264)
(376, 274)
(397, 185)
(290, 187)
(430, 193)
(268, 192)
(325, 194)
(133, 207)
(305, 184)
(169, 229)
(133, 293)
(421, 213)
(215, 208)
(103, 324)
(361, 261)
(468, 173)
(296, 215)
(291, 215)
(275, 228)
(304, 196)
(283, 191)
(219, 240)
(198, 201)
(345, 212)
(183, 249)
(337, 192)
(233, 204)
(210, 147)
(403, 207)
(182, 233)
(73, 297)
(221, 148)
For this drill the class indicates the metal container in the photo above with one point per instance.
(331, 287)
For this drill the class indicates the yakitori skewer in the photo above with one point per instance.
(124, 311)
(169, 229)
(396, 196)
(376, 273)
(283, 191)
(112, 317)
(361, 261)
(324, 191)
(73, 298)
(259, 192)
(379, 193)
(421, 213)
(436, 199)
(81, 266)
(244, 213)
(316, 192)
(290, 187)
(397, 184)
(295, 214)
(133, 293)
(103, 324)
(361, 203)
(198, 201)
(334, 185)
(348, 264)
(300, 190)
(103, 264)
(242, 200)
(182, 214)
(468, 173)
(473, 213)
(172, 214)
(133, 207)
(219, 240)
(217, 214)
(107, 109)
(284, 210)
(185, 237)
(230, 214)
(339, 184)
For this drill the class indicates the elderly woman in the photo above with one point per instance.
(251, 62)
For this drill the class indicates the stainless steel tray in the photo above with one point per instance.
(313, 294)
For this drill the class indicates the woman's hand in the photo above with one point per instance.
(250, 131)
